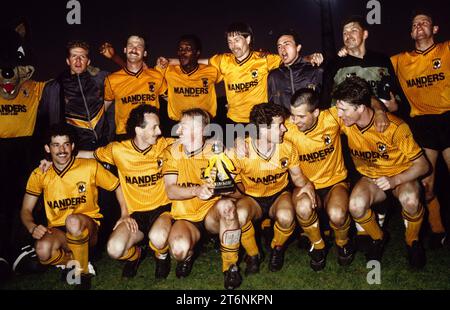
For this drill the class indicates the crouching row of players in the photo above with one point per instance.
(285, 171)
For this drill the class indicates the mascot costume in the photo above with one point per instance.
(19, 100)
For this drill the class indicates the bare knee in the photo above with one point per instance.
(409, 202)
(73, 225)
(337, 216)
(304, 208)
(43, 250)
(227, 209)
(358, 206)
(115, 248)
(158, 238)
(284, 217)
(179, 247)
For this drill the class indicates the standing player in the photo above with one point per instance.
(264, 172)
(424, 76)
(294, 73)
(389, 162)
(190, 84)
(358, 60)
(244, 72)
(133, 84)
(70, 197)
(317, 136)
(139, 163)
(194, 208)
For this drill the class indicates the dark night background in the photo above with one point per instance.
(162, 22)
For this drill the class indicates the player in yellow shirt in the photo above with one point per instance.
(317, 137)
(70, 197)
(190, 84)
(244, 71)
(389, 162)
(424, 76)
(264, 173)
(132, 85)
(139, 162)
(194, 207)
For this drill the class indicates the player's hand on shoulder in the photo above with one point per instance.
(44, 165)
(381, 121)
(241, 147)
(162, 62)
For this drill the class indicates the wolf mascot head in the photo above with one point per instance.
(14, 61)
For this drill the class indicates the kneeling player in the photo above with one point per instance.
(264, 173)
(70, 197)
(316, 135)
(194, 207)
(389, 162)
(139, 161)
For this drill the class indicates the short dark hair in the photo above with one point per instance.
(422, 11)
(60, 129)
(306, 96)
(356, 19)
(193, 40)
(136, 118)
(77, 43)
(263, 114)
(354, 90)
(289, 32)
(206, 118)
(240, 28)
(140, 36)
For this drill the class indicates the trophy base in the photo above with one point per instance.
(224, 187)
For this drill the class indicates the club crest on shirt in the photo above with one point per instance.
(254, 73)
(327, 139)
(437, 63)
(205, 82)
(151, 86)
(284, 162)
(159, 161)
(381, 147)
(81, 186)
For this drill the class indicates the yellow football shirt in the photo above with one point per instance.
(195, 89)
(189, 168)
(245, 81)
(71, 191)
(425, 78)
(129, 89)
(320, 150)
(18, 116)
(378, 154)
(140, 172)
(264, 176)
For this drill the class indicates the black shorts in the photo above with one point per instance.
(323, 192)
(199, 225)
(266, 202)
(432, 131)
(97, 221)
(146, 219)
